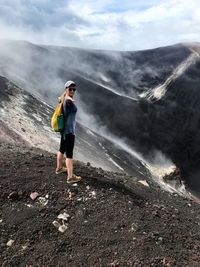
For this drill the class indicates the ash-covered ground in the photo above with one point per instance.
(108, 219)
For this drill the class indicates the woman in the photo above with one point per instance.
(68, 135)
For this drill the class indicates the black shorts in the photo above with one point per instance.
(67, 145)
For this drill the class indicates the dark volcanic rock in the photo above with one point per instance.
(113, 219)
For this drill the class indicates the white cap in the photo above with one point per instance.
(68, 83)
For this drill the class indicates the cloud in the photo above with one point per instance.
(101, 24)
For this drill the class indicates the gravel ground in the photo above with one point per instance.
(108, 219)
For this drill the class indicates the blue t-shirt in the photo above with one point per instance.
(70, 110)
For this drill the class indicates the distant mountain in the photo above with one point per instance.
(147, 99)
(45, 68)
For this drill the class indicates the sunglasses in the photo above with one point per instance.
(72, 89)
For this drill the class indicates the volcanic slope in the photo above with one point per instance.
(110, 219)
(25, 119)
(148, 98)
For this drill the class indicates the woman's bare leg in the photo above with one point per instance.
(69, 164)
(59, 160)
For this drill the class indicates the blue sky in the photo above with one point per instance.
(101, 24)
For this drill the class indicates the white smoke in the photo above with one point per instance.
(159, 165)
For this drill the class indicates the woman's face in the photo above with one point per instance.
(71, 91)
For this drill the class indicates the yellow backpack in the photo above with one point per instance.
(57, 119)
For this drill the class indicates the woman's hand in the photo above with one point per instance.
(69, 99)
